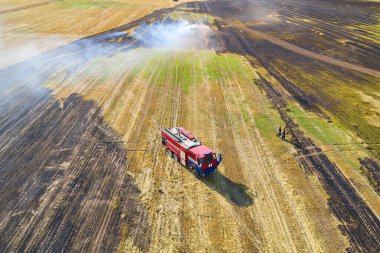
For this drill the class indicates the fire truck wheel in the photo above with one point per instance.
(175, 157)
(195, 172)
(169, 152)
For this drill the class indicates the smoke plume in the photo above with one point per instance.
(177, 35)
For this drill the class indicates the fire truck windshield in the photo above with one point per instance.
(208, 159)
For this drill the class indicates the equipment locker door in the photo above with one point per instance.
(183, 158)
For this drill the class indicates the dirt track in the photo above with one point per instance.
(313, 55)
(90, 111)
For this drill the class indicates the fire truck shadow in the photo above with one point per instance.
(235, 193)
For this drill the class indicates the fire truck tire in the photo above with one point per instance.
(169, 152)
(195, 172)
(175, 157)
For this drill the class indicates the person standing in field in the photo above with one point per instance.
(283, 134)
(279, 132)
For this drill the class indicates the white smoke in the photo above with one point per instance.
(250, 12)
(177, 35)
(18, 44)
(35, 63)
(30, 65)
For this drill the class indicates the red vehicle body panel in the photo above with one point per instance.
(187, 133)
(189, 151)
(201, 151)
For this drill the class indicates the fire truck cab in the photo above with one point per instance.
(187, 150)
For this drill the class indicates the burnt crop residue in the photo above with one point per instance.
(372, 171)
(63, 182)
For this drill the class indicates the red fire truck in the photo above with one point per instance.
(185, 149)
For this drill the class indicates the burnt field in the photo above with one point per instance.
(81, 108)
(71, 192)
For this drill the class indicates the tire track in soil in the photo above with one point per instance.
(200, 219)
(209, 132)
(278, 226)
(197, 202)
(254, 239)
(168, 186)
(268, 161)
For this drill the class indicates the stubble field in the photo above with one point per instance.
(87, 86)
